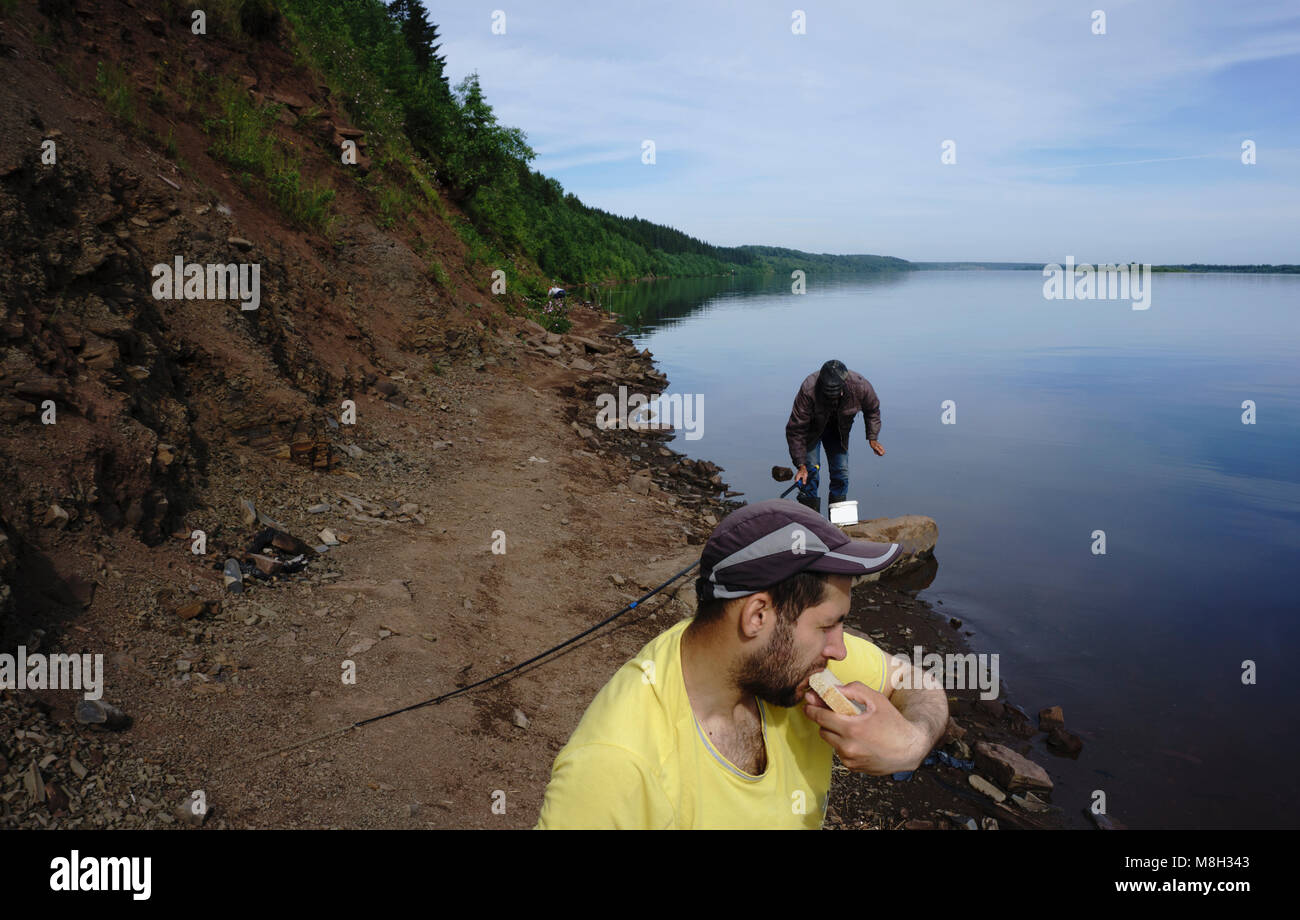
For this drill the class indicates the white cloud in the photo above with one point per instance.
(841, 127)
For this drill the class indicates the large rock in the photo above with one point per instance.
(915, 533)
(1011, 771)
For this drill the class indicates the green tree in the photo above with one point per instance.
(483, 150)
(421, 36)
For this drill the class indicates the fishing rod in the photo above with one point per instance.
(797, 483)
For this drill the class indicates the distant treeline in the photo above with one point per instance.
(1237, 269)
(784, 261)
(387, 57)
(974, 266)
(1038, 266)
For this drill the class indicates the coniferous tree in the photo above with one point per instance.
(421, 37)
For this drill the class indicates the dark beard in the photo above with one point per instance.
(772, 674)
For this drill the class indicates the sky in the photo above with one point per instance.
(1115, 146)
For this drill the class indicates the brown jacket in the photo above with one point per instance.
(809, 416)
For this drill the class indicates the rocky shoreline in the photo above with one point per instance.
(55, 772)
(989, 735)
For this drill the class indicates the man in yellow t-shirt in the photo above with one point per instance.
(703, 729)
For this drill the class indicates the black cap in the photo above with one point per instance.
(830, 380)
(762, 544)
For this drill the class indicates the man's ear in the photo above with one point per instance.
(756, 612)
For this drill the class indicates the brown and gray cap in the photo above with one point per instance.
(765, 543)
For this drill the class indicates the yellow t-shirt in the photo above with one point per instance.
(638, 759)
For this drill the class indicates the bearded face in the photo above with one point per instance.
(774, 674)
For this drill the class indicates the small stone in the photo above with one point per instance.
(617, 579)
(385, 633)
(101, 714)
(319, 509)
(56, 517)
(189, 812)
(1064, 742)
(77, 767)
(239, 242)
(965, 822)
(1104, 822)
(1050, 718)
(364, 645)
(980, 784)
(34, 783)
(265, 564)
(989, 824)
(328, 537)
(520, 719)
(248, 512)
(1030, 803)
(233, 577)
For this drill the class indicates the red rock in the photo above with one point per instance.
(1064, 742)
(291, 99)
(1050, 718)
(265, 564)
(1010, 770)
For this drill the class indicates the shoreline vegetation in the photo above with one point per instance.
(1189, 268)
(383, 62)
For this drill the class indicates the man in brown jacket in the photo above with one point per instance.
(823, 413)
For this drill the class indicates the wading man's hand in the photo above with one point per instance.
(880, 451)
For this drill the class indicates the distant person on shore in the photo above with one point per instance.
(556, 292)
(823, 414)
(714, 725)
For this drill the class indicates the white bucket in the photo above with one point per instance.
(844, 513)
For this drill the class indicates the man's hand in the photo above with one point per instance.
(802, 475)
(875, 445)
(879, 741)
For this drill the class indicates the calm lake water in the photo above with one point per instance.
(1072, 416)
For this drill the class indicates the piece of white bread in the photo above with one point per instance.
(826, 684)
